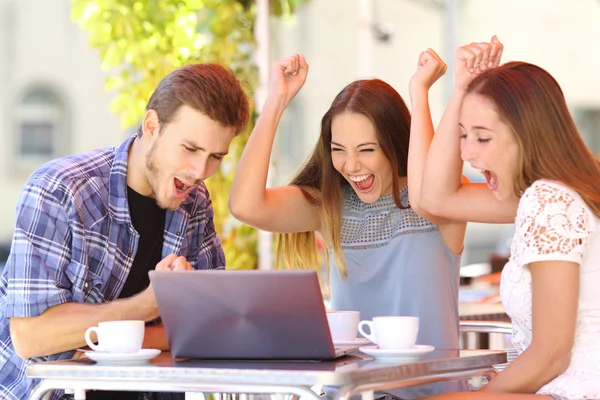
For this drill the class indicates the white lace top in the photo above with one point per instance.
(554, 223)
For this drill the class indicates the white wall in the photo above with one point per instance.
(561, 36)
(40, 45)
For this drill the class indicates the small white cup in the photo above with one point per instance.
(391, 333)
(343, 325)
(117, 336)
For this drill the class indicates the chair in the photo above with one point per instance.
(478, 328)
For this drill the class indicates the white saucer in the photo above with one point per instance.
(140, 358)
(359, 341)
(411, 352)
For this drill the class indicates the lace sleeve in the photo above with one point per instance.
(553, 224)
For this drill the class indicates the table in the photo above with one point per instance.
(481, 311)
(353, 375)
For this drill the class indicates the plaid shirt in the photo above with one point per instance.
(74, 242)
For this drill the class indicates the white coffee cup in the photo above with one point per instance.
(117, 336)
(391, 333)
(343, 325)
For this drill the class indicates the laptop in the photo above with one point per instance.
(245, 315)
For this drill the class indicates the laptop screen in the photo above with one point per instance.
(243, 314)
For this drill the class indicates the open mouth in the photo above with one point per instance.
(182, 188)
(363, 183)
(491, 179)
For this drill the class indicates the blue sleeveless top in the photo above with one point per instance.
(398, 264)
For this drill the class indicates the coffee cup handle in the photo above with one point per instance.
(89, 341)
(370, 336)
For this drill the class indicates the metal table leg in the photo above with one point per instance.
(47, 385)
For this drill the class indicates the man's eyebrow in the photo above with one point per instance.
(194, 146)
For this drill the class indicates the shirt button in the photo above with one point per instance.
(86, 285)
(129, 254)
(177, 233)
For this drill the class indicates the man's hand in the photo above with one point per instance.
(170, 263)
(173, 263)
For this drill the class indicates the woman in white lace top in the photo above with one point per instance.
(514, 125)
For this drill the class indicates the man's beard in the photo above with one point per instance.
(153, 175)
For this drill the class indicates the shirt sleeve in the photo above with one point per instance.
(40, 254)
(553, 224)
(211, 255)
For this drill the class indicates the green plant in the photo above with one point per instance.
(140, 41)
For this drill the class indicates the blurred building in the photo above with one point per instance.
(51, 95)
(53, 103)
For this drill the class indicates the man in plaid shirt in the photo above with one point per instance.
(89, 227)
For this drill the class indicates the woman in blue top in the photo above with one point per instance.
(360, 191)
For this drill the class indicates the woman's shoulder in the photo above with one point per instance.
(552, 221)
(549, 186)
(545, 192)
(547, 200)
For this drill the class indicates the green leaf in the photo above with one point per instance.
(112, 83)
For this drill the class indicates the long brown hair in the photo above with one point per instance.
(530, 101)
(386, 109)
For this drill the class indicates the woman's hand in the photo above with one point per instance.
(430, 68)
(472, 59)
(288, 75)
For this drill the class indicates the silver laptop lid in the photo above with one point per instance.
(244, 314)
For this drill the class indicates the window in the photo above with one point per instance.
(41, 126)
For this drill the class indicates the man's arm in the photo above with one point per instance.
(155, 337)
(46, 309)
(62, 327)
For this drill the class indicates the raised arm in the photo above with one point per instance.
(281, 209)
(429, 69)
(443, 192)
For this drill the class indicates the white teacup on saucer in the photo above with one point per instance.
(117, 336)
(391, 333)
(343, 326)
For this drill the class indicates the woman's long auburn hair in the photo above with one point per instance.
(530, 101)
(386, 109)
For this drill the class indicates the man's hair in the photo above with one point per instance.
(209, 88)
